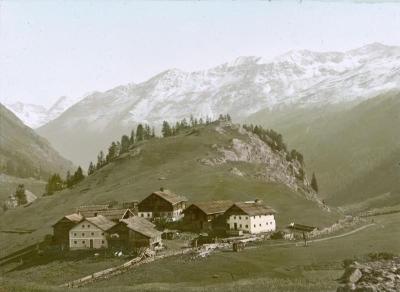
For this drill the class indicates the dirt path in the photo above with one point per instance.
(326, 238)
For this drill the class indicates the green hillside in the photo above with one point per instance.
(25, 154)
(353, 149)
(174, 163)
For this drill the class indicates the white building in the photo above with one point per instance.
(90, 233)
(251, 217)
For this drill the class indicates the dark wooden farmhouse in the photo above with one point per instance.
(62, 227)
(162, 204)
(134, 233)
(202, 216)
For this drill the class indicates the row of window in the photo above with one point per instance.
(247, 217)
(88, 225)
(83, 234)
(255, 225)
(84, 242)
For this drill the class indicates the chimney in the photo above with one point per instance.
(162, 189)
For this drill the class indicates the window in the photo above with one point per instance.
(254, 225)
(102, 242)
(234, 217)
(240, 217)
(259, 216)
(102, 233)
(240, 225)
(83, 241)
(74, 234)
(141, 215)
(88, 226)
(92, 233)
(83, 225)
(75, 242)
(83, 234)
(247, 217)
(247, 226)
(260, 225)
(148, 215)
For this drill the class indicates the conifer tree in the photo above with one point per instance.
(166, 129)
(153, 132)
(132, 138)
(100, 160)
(112, 152)
(314, 183)
(78, 175)
(91, 168)
(139, 133)
(125, 142)
(69, 180)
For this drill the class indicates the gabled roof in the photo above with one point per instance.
(73, 218)
(254, 208)
(101, 222)
(91, 208)
(141, 226)
(112, 214)
(170, 197)
(212, 207)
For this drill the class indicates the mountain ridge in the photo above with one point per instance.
(241, 89)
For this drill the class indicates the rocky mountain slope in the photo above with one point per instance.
(23, 153)
(302, 79)
(35, 116)
(354, 151)
(213, 162)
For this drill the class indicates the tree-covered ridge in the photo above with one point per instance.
(145, 132)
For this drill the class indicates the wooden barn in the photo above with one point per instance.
(298, 231)
(162, 204)
(202, 216)
(134, 233)
(61, 229)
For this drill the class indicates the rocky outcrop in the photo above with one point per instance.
(248, 147)
(383, 275)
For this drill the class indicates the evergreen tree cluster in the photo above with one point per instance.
(55, 183)
(143, 132)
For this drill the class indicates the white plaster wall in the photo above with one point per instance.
(252, 224)
(81, 234)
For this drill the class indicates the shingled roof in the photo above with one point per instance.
(213, 207)
(170, 196)
(91, 208)
(254, 208)
(112, 214)
(141, 226)
(101, 222)
(74, 217)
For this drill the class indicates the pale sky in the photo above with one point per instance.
(54, 48)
